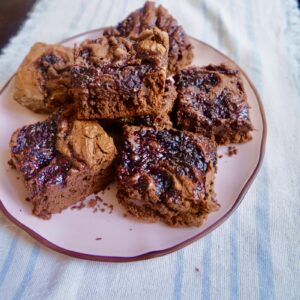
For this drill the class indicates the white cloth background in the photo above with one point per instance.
(256, 253)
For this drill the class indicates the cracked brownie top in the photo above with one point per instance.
(43, 79)
(47, 150)
(212, 101)
(180, 53)
(156, 159)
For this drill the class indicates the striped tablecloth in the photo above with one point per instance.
(256, 253)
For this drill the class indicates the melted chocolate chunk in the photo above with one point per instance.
(180, 53)
(46, 61)
(55, 173)
(36, 143)
(37, 154)
(202, 81)
(166, 148)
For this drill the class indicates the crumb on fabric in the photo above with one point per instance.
(197, 269)
(92, 203)
(98, 238)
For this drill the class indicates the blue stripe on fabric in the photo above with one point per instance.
(264, 252)
(9, 259)
(28, 273)
(234, 258)
(206, 279)
(292, 37)
(178, 275)
(264, 255)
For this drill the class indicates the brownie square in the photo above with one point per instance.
(61, 161)
(167, 175)
(116, 77)
(181, 50)
(43, 79)
(212, 101)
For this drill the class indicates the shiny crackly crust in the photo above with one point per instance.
(212, 101)
(181, 50)
(165, 174)
(115, 77)
(42, 80)
(61, 161)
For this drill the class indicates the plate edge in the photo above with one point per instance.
(157, 253)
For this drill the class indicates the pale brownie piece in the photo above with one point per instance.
(115, 77)
(61, 161)
(160, 119)
(181, 50)
(43, 79)
(167, 175)
(212, 101)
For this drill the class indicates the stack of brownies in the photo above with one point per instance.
(132, 81)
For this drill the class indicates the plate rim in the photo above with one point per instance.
(155, 253)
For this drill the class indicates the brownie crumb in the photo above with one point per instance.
(108, 188)
(27, 199)
(197, 269)
(130, 229)
(98, 198)
(92, 203)
(111, 207)
(220, 156)
(98, 239)
(98, 204)
(232, 150)
(11, 164)
(79, 206)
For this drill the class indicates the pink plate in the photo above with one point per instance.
(107, 236)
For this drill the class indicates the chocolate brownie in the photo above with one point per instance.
(116, 77)
(167, 175)
(160, 119)
(43, 79)
(212, 101)
(61, 161)
(181, 50)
